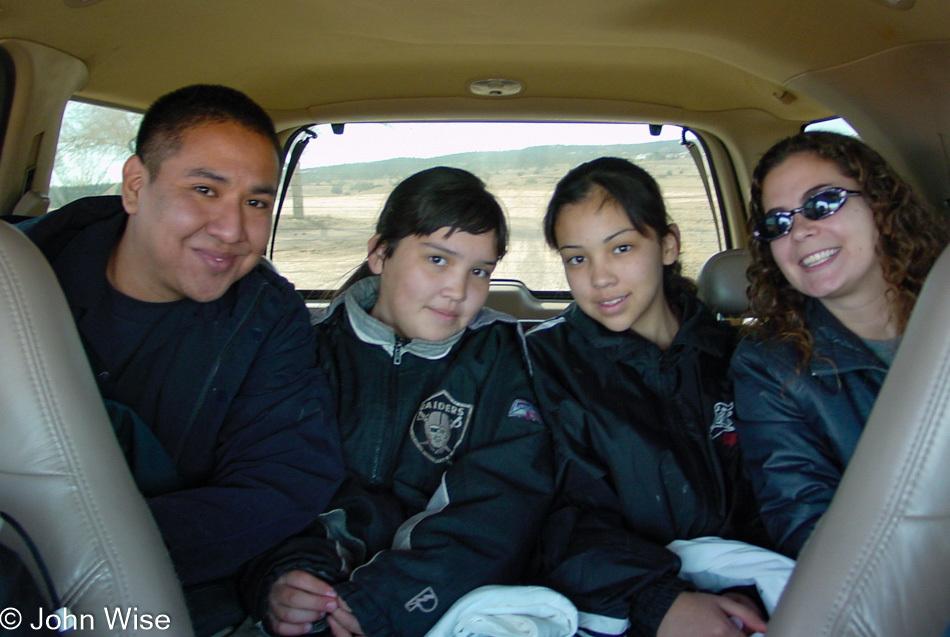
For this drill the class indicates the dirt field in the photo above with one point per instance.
(324, 228)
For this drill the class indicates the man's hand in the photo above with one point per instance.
(297, 600)
(704, 615)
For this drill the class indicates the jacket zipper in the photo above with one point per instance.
(386, 441)
(398, 347)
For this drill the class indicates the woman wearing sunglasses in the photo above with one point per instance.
(842, 247)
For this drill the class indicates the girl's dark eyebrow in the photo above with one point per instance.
(440, 248)
(606, 239)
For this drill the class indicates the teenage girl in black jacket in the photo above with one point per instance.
(632, 380)
(448, 465)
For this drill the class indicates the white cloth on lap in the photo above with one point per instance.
(508, 611)
(714, 564)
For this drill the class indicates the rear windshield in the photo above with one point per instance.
(346, 173)
(343, 179)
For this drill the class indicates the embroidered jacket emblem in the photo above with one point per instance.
(523, 409)
(722, 423)
(440, 425)
(425, 601)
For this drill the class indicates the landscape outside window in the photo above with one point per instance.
(342, 181)
(336, 195)
(94, 142)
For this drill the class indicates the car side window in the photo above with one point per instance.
(834, 125)
(94, 142)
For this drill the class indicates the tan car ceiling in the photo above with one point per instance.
(323, 55)
(746, 72)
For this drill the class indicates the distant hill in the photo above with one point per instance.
(534, 159)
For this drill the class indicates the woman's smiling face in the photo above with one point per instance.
(833, 259)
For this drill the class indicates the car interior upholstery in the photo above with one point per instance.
(740, 75)
(61, 475)
(878, 560)
(723, 284)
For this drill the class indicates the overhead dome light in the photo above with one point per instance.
(901, 5)
(495, 87)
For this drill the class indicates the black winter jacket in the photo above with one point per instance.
(647, 454)
(232, 395)
(448, 469)
(799, 428)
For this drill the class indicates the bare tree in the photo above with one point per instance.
(93, 143)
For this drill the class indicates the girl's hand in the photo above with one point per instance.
(741, 598)
(297, 600)
(343, 622)
(704, 615)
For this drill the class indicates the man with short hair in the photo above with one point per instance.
(205, 357)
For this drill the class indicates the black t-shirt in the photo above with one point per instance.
(116, 328)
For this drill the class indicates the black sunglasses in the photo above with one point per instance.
(822, 204)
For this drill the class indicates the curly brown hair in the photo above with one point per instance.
(911, 237)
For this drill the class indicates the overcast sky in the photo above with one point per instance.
(374, 142)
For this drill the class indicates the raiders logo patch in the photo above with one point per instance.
(440, 425)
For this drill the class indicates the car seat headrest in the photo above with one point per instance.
(722, 283)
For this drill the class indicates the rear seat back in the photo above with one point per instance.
(723, 283)
(513, 297)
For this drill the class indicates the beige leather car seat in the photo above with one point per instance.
(62, 475)
(878, 563)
